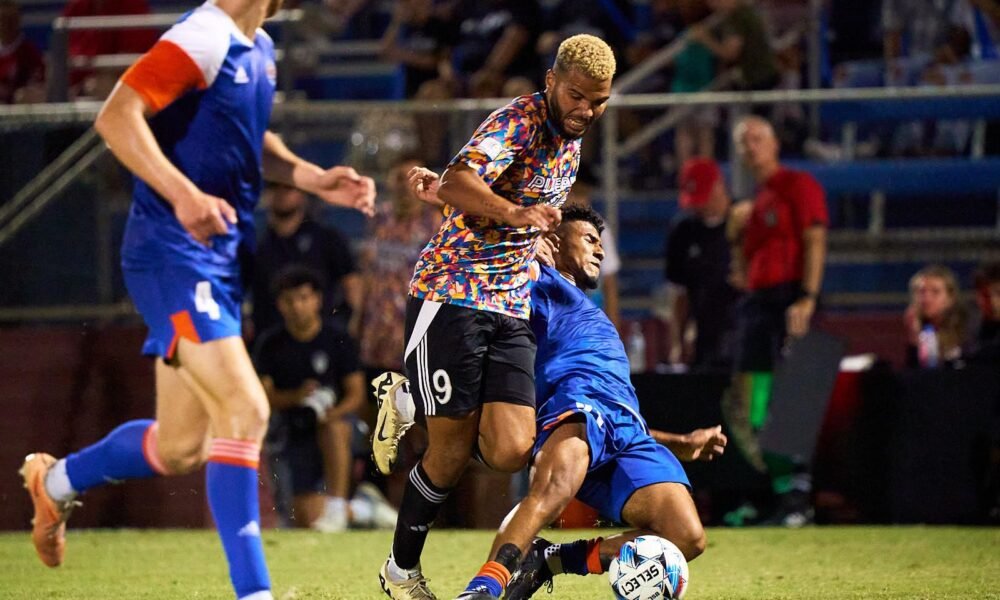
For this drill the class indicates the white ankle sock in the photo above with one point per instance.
(397, 574)
(57, 484)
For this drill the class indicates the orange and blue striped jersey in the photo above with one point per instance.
(480, 263)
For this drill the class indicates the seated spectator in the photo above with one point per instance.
(419, 37)
(987, 282)
(90, 43)
(496, 41)
(401, 228)
(315, 387)
(22, 67)
(293, 237)
(741, 40)
(915, 28)
(935, 320)
(610, 21)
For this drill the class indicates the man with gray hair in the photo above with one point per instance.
(779, 249)
(470, 352)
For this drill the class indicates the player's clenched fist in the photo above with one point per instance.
(424, 184)
(542, 216)
(203, 216)
(343, 186)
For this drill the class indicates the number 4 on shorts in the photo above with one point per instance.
(203, 301)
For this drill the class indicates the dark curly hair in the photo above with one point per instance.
(296, 275)
(583, 213)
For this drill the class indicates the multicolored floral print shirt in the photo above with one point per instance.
(480, 263)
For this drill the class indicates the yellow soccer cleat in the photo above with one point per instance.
(391, 425)
(414, 588)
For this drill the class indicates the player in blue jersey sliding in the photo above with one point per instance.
(189, 120)
(591, 443)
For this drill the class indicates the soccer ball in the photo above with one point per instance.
(648, 568)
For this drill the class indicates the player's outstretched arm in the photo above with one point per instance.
(122, 124)
(340, 186)
(700, 444)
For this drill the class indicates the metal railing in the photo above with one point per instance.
(60, 64)
(307, 118)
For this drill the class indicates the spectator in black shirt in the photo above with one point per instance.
(292, 237)
(497, 41)
(419, 37)
(315, 385)
(698, 265)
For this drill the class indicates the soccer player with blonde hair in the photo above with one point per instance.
(470, 352)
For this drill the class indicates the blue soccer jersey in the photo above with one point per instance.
(579, 350)
(210, 88)
(582, 371)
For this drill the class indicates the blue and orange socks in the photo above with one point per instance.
(231, 483)
(492, 579)
(128, 452)
(581, 557)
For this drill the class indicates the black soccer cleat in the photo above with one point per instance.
(532, 573)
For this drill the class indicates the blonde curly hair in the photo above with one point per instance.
(588, 54)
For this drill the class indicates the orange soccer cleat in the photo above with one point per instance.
(49, 525)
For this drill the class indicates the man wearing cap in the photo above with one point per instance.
(698, 268)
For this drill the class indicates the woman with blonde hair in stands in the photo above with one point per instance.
(935, 319)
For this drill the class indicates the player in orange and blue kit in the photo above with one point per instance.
(189, 120)
(470, 351)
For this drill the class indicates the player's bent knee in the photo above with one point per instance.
(508, 458)
(245, 417)
(691, 540)
(181, 458)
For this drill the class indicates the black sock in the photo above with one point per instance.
(421, 502)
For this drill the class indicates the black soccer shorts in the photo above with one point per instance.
(459, 358)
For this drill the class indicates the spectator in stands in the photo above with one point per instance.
(401, 228)
(609, 20)
(917, 28)
(606, 294)
(315, 387)
(779, 252)
(694, 71)
(935, 319)
(741, 40)
(698, 263)
(419, 37)
(86, 44)
(293, 237)
(22, 67)
(987, 283)
(496, 41)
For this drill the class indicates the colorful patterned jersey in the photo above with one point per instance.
(481, 263)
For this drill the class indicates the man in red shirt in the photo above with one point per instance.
(779, 248)
(22, 68)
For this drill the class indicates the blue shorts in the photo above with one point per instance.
(179, 301)
(624, 457)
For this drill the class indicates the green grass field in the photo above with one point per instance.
(868, 562)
